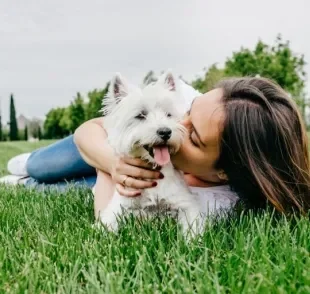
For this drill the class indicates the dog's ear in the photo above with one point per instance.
(168, 81)
(118, 87)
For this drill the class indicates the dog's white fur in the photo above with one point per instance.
(133, 116)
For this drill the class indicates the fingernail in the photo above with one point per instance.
(154, 184)
(158, 167)
(138, 194)
(161, 176)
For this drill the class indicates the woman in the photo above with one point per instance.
(246, 133)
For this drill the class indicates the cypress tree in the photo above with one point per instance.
(26, 133)
(13, 121)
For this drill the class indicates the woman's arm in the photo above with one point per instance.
(90, 139)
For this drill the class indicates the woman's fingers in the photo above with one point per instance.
(135, 174)
(138, 162)
(130, 182)
(141, 173)
(128, 193)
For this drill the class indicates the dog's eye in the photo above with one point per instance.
(168, 114)
(142, 115)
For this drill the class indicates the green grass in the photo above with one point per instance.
(48, 245)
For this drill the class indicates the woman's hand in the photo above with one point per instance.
(135, 174)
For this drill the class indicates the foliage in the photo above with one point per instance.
(26, 133)
(33, 126)
(94, 104)
(67, 119)
(52, 126)
(75, 114)
(13, 121)
(212, 76)
(277, 62)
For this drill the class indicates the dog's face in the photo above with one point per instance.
(145, 122)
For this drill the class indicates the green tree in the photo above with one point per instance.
(65, 122)
(95, 100)
(26, 133)
(277, 62)
(39, 133)
(52, 127)
(13, 121)
(212, 76)
(76, 112)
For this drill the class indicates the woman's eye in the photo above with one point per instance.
(191, 140)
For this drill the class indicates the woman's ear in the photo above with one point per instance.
(222, 176)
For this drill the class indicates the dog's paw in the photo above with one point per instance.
(191, 226)
(110, 222)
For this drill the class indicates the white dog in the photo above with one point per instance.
(145, 123)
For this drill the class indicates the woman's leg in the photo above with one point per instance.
(63, 186)
(58, 162)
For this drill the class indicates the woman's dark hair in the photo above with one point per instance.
(264, 147)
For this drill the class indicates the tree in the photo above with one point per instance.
(76, 113)
(277, 62)
(26, 133)
(212, 76)
(39, 133)
(52, 127)
(13, 121)
(95, 102)
(65, 122)
(33, 126)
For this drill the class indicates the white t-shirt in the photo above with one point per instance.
(212, 199)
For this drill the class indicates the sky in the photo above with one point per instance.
(51, 49)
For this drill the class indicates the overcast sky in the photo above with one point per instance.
(50, 49)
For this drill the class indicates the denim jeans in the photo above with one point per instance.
(59, 166)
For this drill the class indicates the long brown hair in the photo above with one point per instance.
(264, 146)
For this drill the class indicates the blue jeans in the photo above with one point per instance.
(59, 166)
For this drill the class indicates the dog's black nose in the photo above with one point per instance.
(164, 133)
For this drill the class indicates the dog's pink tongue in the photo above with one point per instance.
(161, 155)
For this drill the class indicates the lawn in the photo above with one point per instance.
(48, 245)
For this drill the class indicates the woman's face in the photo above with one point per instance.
(201, 148)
